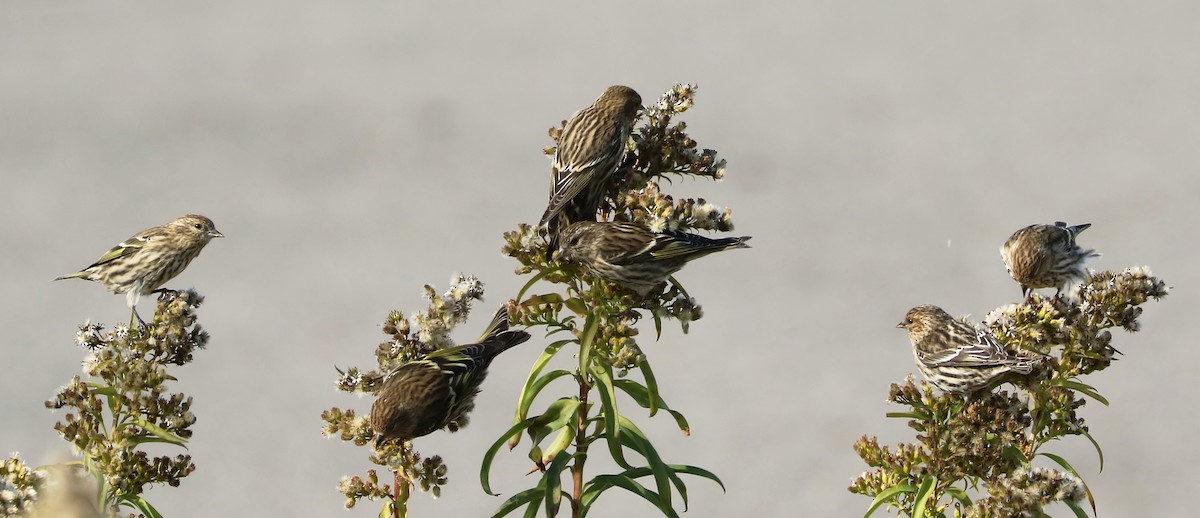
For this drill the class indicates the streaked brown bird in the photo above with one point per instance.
(632, 255)
(141, 264)
(958, 357)
(1045, 256)
(590, 149)
(432, 392)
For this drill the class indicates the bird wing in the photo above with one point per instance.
(630, 243)
(577, 165)
(125, 248)
(980, 350)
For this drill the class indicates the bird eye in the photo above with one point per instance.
(198, 226)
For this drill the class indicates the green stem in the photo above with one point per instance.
(581, 447)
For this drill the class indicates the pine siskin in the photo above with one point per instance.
(590, 148)
(1045, 256)
(632, 255)
(958, 357)
(141, 264)
(430, 393)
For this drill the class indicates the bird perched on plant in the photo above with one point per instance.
(590, 149)
(1045, 256)
(141, 264)
(632, 255)
(434, 391)
(958, 357)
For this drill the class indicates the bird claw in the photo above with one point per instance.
(166, 294)
(632, 316)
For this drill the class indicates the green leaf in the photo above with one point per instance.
(602, 482)
(657, 325)
(538, 385)
(1013, 453)
(97, 388)
(593, 489)
(1099, 452)
(678, 285)
(641, 396)
(924, 494)
(888, 495)
(542, 300)
(553, 483)
(560, 414)
(1082, 388)
(633, 437)
(1079, 512)
(537, 277)
(525, 497)
(162, 435)
(697, 472)
(585, 341)
(920, 416)
(608, 402)
(576, 305)
(490, 455)
(651, 386)
(959, 495)
(143, 506)
(565, 435)
(1067, 466)
(531, 388)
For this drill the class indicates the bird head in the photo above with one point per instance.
(197, 227)
(922, 319)
(621, 99)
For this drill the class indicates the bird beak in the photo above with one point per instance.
(902, 324)
(215, 233)
(556, 255)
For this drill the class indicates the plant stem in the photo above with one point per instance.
(395, 492)
(581, 447)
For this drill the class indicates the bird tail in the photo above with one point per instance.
(498, 324)
(717, 245)
(736, 242)
(76, 275)
(1074, 229)
(499, 337)
(692, 246)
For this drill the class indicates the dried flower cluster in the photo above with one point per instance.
(990, 442)
(19, 486)
(130, 404)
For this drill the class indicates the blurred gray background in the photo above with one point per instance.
(879, 153)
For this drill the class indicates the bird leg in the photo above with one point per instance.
(138, 318)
